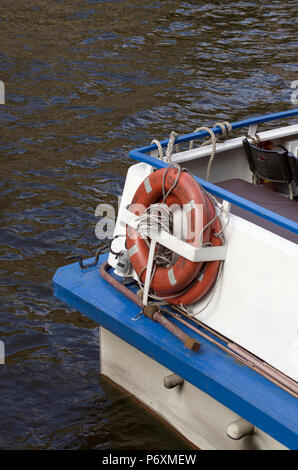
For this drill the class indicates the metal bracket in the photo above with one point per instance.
(93, 263)
(240, 428)
(172, 381)
(252, 131)
(148, 271)
(252, 134)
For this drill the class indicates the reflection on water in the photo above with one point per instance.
(86, 81)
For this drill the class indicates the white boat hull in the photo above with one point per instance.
(196, 416)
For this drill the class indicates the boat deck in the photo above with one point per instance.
(236, 386)
(268, 199)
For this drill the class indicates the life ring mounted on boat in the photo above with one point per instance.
(179, 282)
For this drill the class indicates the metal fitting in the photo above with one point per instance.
(240, 428)
(172, 381)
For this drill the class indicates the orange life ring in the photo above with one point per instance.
(175, 279)
(206, 279)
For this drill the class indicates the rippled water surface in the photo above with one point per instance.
(85, 82)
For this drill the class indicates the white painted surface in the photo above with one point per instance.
(182, 248)
(232, 144)
(292, 147)
(135, 176)
(198, 417)
(256, 302)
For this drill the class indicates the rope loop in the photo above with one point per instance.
(170, 147)
(226, 130)
(160, 149)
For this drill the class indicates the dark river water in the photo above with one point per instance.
(86, 81)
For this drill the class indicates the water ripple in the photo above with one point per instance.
(85, 83)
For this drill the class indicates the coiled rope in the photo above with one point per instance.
(169, 150)
(226, 130)
(159, 216)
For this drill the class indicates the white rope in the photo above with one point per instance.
(226, 129)
(160, 149)
(159, 217)
(187, 310)
(212, 140)
(222, 209)
(169, 150)
(170, 146)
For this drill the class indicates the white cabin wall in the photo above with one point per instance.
(255, 304)
(226, 165)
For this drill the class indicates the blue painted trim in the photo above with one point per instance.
(141, 155)
(213, 371)
(235, 125)
(228, 196)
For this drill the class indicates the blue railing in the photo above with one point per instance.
(141, 154)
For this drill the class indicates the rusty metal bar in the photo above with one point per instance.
(199, 323)
(277, 375)
(252, 359)
(150, 311)
(153, 312)
(247, 358)
(204, 335)
(123, 289)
